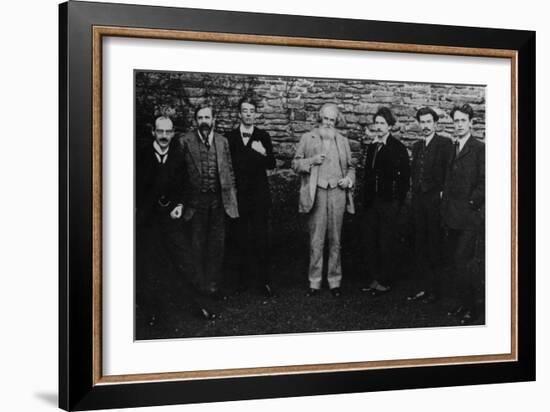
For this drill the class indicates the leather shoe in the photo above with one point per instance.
(417, 296)
(468, 318)
(312, 292)
(336, 292)
(205, 314)
(379, 292)
(457, 311)
(267, 291)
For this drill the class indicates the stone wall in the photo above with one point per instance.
(289, 107)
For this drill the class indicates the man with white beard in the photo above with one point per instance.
(327, 176)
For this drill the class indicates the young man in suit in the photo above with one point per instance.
(463, 206)
(159, 207)
(386, 184)
(252, 154)
(327, 175)
(209, 195)
(430, 161)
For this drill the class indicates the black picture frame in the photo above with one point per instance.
(78, 384)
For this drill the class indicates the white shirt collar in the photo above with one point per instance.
(160, 153)
(462, 142)
(429, 138)
(382, 140)
(245, 129)
(210, 136)
(159, 149)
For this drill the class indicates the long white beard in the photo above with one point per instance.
(327, 132)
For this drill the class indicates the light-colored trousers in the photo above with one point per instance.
(325, 221)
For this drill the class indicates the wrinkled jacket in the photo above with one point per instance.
(463, 200)
(189, 144)
(309, 146)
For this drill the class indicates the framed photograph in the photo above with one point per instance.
(257, 206)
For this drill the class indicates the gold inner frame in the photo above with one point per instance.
(100, 31)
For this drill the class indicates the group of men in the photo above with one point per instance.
(186, 188)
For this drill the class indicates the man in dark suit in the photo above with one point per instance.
(463, 209)
(430, 161)
(251, 154)
(386, 183)
(159, 207)
(209, 195)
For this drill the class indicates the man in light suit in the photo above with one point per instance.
(327, 175)
(463, 207)
(209, 194)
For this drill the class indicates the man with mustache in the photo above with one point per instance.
(430, 161)
(209, 195)
(386, 184)
(252, 155)
(327, 175)
(463, 208)
(159, 207)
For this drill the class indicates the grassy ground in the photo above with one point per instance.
(161, 311)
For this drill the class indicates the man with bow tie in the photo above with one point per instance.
(210, 194)
(386, 184)
(430, 160)
(252, 154)
(327, 176)
(463, 207)
(159, 208)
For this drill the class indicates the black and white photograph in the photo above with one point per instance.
(280, 205)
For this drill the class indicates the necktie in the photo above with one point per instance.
(161, 157)
(207, 143)
(457, 149)
(247, 135)
(376, 150)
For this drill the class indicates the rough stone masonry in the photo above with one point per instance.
(289, 107)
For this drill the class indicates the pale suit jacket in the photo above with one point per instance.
(309, 146)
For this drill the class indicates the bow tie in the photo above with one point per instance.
(246, 134)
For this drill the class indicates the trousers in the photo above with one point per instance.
(428, 240)
(325, 221)
(380, 239)
(207, 227)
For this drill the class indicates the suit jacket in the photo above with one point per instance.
(389, 177)
(309, 146)
(464, 191)
(159, 187)
(250, 169)
(429, 175)
(189, 145)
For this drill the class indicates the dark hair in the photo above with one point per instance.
(205, 105)
(386, 113)
(248, 99)
(465, 108)
(427, 110)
